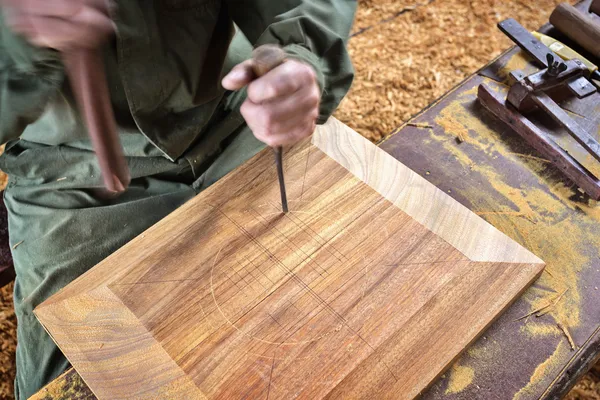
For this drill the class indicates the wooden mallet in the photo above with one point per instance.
(85, 69)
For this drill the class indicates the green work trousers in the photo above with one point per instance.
(61, 226)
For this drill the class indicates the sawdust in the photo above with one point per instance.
(516, 62)
(588, 388)
(72, 387)
(537, 329)
(8, 342)
(462, 372)
(406, 63)
(451, 124)
(547, 368)
(460, 377)
(486, 350)
(533, 209)
(534, 218)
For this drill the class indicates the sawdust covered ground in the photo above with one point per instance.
(588, 388)
(406, 55)
(8, 342)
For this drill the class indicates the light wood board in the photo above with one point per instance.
(368, 288)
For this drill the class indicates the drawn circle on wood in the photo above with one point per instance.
(272, 296)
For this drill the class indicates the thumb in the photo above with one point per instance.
(240, 76)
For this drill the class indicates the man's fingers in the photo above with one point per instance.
(50, 8)
(240, 76)
(60, 24)
(88, 28)
(97, 21)
(58, 8)
(283, 122)
(283, 105)
(284, 80)
(283, 114)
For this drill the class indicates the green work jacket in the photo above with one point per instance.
(165, 65)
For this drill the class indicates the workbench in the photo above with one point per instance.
(462, 149)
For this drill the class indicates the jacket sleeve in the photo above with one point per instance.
(314, 31)
(29, 77)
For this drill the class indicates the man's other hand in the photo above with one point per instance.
(60, 24)
(283, 105)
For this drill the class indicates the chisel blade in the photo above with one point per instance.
(279, 161)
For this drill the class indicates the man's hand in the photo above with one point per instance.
(60, 24)
(283, 105)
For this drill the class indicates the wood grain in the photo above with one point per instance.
(421, 200)
(372, 284)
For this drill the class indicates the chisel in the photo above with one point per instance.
(264, 59)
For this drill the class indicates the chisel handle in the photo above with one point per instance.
(595, 7)
(578, 26)
(265, 58)
(88, 80)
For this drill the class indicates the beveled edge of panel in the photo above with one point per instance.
(115, 347)
(413, 194)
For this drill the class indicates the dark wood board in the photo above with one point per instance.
(497, 175)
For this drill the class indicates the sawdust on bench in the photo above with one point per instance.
(533, 217)
(460, 377)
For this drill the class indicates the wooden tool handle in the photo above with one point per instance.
(578, 26)
(595, 7)
(266, 58)
(88, 80)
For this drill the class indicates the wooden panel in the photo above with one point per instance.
(373, 283)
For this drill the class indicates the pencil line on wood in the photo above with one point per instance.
(270, 378)
(288, 241)
(305, 171)
(325, 242)
(289, 272)
(299, 281)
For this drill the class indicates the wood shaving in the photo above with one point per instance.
(568, 335)
(545, 306)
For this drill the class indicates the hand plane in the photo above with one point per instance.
(543, 90)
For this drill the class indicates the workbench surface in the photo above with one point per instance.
(500, 177)
(465, 151)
